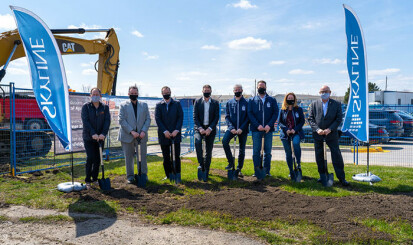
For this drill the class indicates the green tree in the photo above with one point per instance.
(372, 87)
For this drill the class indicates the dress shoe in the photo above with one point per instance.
(344, 183)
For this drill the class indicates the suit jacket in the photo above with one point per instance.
(170, 119)
(128, 122)
(199, 114)
(331, 120)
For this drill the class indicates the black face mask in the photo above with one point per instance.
(290, 102)
(261, 90)
(133, 97)
(238, 94)
(206, 95)
(166, 96)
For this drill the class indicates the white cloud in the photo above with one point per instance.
(283, 80)
(190, 75)
(100, 35)
(329, 61)
(300, 72)
(91, 63)
(210, 47)
(250, 43)
(244, 4)
(17, 71)
(383, 72)
(137, 33)
(7, 22)
(277, 62)
(84, 26)
(150, 57)
(88, 72)
(342, 72)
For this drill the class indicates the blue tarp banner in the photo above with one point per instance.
(47, 72)
(356, 121)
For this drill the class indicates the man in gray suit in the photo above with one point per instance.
(324, 117)
(134, 119)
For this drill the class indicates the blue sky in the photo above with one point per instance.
(293, 45)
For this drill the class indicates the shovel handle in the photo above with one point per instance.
(325, 154)
(101, 160)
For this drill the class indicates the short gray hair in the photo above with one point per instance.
(237, 86)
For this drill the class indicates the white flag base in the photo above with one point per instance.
(69, 186)
(366, 177)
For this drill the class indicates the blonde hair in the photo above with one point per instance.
(285, 105)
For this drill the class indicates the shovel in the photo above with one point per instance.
(201, 169)
(140, 178)
(326, 179)
(232, 173)
(298, 175)
(260, 170)
(174, 176)
(104, 184)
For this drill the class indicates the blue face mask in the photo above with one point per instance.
(95, 99)
(325, 96)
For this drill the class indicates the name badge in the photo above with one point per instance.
(243, 107)
(296, 114)
(268, 104)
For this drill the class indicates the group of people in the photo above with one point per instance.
(257, 114)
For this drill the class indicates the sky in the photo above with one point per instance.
(293, 45)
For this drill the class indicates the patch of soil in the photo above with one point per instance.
(265, 201)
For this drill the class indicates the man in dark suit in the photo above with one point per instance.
(324, 117)
(169, 118)
(206, 116)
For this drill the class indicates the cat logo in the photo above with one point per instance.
(68, 47)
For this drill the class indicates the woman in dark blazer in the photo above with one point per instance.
(291, 122)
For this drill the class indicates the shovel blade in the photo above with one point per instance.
(202, 174)
(178, 178)
(104, 184)
(260, 172)
(172, 177)
(232, 174)
(327, 180)
(297, 176)
(141, 180)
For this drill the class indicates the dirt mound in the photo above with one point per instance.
(265, 201)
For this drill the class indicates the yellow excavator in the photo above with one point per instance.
(107, 48)
(30, 140)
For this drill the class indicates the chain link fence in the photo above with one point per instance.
(27, 144)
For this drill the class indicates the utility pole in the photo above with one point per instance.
(255, 87)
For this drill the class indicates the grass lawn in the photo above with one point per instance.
(41, 192)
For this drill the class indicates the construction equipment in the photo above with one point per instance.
(38, 143)
(108, 50)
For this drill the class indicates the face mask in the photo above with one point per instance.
(166, 96)
(206, 95)
(238, 94)
(325, 96)
(261, 90)
(95, 99)
(133, 97)
(290, 102)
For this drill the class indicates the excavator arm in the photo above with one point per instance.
(107, 49)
